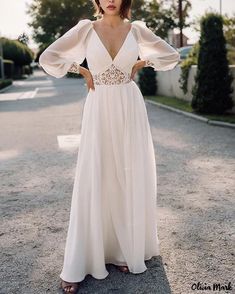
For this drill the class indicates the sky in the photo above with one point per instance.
(13, 17)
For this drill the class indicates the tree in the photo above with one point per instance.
(23, 38)
(14, 50)
(51, 19)
(170, 10)
(159, 19)
(228, 26)
(161, 16)
(212, 89)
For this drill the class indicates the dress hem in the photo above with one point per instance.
(98, 277)
(101, 277)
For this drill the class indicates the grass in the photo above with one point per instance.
(185, 106)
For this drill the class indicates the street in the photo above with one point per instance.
(40, 126)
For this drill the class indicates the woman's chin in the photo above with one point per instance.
(111, 12)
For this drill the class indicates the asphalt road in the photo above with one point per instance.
(40, 121)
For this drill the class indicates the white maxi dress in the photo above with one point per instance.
(113, 206)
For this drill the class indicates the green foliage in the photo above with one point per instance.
(212, 89)
(229, 33)
(229, 29)
(14, 50)
(231, 56)
(186, 65)
(147, 81)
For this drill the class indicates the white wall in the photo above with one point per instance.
(168, 84)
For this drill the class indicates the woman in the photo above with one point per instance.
(113, 207)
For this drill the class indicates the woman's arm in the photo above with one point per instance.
(154, 50)
(67, 52)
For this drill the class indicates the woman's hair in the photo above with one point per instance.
(125, 9)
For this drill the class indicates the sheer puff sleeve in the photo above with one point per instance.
(154, 50)
(67, 52)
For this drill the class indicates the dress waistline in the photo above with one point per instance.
(112, 76)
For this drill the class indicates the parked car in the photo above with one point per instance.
(184, 51)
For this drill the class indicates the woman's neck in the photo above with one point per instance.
(112, 20)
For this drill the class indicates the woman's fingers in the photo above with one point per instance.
(90, 83)
(133, 74)
(138, 65)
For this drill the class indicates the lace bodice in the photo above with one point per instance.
(81, 41)
(111, 76)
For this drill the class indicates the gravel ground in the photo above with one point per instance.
(196, 188)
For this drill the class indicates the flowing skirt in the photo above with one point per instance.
(114, 200)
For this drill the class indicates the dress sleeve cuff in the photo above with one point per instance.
(75, 67)
(148, 63)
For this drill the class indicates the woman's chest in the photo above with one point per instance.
(99, 58)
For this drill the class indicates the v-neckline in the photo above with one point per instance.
(123, 43)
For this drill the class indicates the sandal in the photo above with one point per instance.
(68, 287)
(123, 268)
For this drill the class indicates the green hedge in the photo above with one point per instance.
(16, 51)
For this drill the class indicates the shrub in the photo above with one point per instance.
(14, 50)
(147, 81)
(212, 89)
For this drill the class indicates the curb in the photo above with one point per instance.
(195, 116)
(221, 123)
(6, 88)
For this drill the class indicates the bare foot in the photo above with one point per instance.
(69, 287)
(123, 268)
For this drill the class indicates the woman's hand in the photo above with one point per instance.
(137, 66)
(88, 77)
